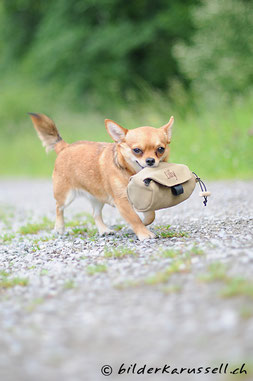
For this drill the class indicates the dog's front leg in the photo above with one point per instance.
(128, 213)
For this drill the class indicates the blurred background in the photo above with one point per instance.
(136, 62)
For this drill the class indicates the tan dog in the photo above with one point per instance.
(101, 171)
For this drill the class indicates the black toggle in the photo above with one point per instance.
(147, 182)
(177, 189)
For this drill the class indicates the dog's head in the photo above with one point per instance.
(143, 146)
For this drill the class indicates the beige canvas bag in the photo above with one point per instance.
(162, 187)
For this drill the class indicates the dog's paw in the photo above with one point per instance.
(146, 235)
(59, 229)
(106, 231)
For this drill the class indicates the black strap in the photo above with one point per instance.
(202, 187)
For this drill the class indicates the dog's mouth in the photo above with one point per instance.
(146, 166)
(139, 164)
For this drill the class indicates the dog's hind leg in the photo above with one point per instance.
(97, 207)
(148, 217)
(59, 222)
(63, 199)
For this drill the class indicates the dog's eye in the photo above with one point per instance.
(137, 150)
(160, 150)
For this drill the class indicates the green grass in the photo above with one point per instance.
(6, 281)
(34, 228)
(7, 237)
(94, 269)
(80, 219)
(82, 225)
(185, 255)
(213, 141)
(195, 250)
(69, 284)
(83, 257)
(163, 231)
(180, 263)
(119, 252)
(217, 271)
(35, 248)
(232, 285)
(159, 278)
(34, 304)
(36, 241)
(44, 272)
(6, 216)
(4, 274)
(246, 312)
(163, 276)
(84, 231)
(32, 267)
(118, 227)
(169, 253)
(237, 286)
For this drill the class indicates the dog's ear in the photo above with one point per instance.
(115, 130)
(167, 128)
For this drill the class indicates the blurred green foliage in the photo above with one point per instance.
(214, 142)
(136, 62)
(219, 59)
(112, 47)
(107, 46)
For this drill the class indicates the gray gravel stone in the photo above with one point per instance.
(65, 324)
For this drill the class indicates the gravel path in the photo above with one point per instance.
(71, 304)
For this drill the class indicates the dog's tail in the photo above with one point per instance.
(48, 133)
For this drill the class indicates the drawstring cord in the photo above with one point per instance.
(202, 187)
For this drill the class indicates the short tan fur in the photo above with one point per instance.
(101, 171)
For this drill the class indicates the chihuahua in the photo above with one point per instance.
(101, 171)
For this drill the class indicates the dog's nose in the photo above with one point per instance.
(150, 161)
